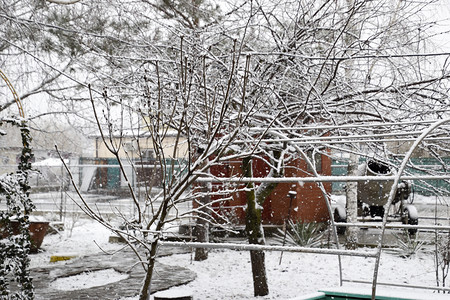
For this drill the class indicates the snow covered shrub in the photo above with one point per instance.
(15, 243)
(442, 257)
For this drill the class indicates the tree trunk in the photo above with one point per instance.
(146, 286)
(260, 286)
(351, 233)
(202, 229)
(255, 235)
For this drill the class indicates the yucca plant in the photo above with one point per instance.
(408, 244)
(302, 234)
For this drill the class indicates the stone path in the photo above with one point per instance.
(123, 262)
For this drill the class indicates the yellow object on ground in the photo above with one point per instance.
(55, 258)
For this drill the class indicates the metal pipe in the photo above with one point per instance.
(320, 179)
(392, 195)
(402, 285)
(304, 141)
(394, 226)
(371, 125)
(247, 247)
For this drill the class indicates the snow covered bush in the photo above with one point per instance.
(442, 257)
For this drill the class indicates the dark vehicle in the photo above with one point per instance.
(374, 195)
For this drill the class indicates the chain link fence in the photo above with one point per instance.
(101, 182)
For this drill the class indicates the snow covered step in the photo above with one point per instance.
(115, 239)
(173, 295)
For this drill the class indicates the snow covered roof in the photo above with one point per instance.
(49, 162)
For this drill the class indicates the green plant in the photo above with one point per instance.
(408, 244)
(302, 234)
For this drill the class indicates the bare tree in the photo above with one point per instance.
(198, 108)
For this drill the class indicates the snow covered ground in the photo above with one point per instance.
(227, 273)
(81, 237)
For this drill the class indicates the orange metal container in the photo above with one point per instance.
(307, 206)
(37, 230)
